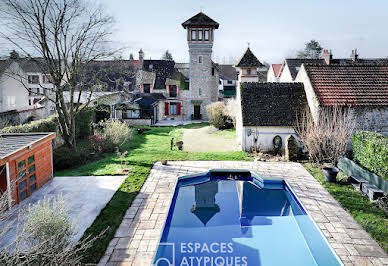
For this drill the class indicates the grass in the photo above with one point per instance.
(367, 214)
(143, 151)
(227, 133)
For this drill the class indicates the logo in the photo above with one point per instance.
(168, 258)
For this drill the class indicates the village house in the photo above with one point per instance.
(273, 73)
(24, 82)
(26, 164)
(228, 82)
(362, 88)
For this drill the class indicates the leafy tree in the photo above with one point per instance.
(312, 50)
(167, 56)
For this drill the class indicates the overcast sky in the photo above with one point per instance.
(275, 29)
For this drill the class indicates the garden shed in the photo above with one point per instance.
(26, 164)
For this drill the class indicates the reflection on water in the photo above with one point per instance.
(205, 206)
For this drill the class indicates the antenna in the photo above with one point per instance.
(248, 44)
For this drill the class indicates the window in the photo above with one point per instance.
(172, 91)
(47, 79)
(26, 174)
(200, 59)
(11, 101)
(173, 109)
(230, 81)
(200, 35)
(131, 113)
(199, 91)
(146, 88)
(220, 82)
(151, 66)
(248, 71)
(33, 79)
(213, 71)
(206, 35)
(193, 35)
(29, 102)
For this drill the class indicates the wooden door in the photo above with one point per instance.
(197, 112)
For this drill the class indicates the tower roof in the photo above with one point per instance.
(200, 20)
(249, 60)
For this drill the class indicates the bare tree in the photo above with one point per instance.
(326, 139)
(66, 36)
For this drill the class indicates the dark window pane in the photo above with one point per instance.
(31, 169)
(23, 195)
(32, 188)
(32, 178)
(147, 88)
(21, 174)
(22, 185)
(31, 159)
(21, 165)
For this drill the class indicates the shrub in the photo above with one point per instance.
(43, 125)
(116, 132)
(370, 150)
(84, 121)
(217, 115)
(232, 109)
(65, 157)
(99, 143)
(327, 138)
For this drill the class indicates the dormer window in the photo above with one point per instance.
(172, 90)
(206, 35)
(33, 79)
(150, 67)
(193, 35)
(200, 59)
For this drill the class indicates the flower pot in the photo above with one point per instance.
(164, 162)
(330, 173)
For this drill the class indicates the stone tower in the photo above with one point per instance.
(203, 89)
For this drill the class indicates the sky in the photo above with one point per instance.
(274, 29)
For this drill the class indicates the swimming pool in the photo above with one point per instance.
(234, 217)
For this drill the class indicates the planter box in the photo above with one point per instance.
(350, 168)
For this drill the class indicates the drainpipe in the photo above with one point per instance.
(8, 185)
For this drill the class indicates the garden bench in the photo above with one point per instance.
(372, 191)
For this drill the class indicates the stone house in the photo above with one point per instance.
(269, 111)
(26, 164)
(362, 88)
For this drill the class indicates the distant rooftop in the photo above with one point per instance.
(200, 20)
(249, 60)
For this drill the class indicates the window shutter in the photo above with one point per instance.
(166, 108)
(178, 109)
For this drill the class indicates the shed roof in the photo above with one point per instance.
(271, 104)
(12, 143)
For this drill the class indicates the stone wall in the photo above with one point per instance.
(138, 122)
(372, 119)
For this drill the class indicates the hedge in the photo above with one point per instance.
(83, 123)
(370, 150)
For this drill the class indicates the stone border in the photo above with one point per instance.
(137, 238)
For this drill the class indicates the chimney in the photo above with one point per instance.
(327, 56)
(13, 55)
(354, 55)
(141, 57)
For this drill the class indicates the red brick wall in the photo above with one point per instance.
(43, 165)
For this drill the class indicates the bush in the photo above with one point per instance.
(43, 125)
(83, 122)
(65, 157)
(370, 150)
(99, 143)
(116, 132)
(327, 138)
(217, 116)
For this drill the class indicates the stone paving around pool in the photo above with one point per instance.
(136, 239)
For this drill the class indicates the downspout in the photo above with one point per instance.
(8, 185)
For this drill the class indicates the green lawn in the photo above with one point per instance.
(144, 151)
(227, 133)
(371, 218)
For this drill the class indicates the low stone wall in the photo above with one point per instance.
(138, 122)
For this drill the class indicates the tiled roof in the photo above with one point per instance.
(271, 104)
(11, 143)
(276, 69)
(249, 60)
(200, 20)
(350, 84)
(228, 72)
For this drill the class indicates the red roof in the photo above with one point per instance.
(276, 69)
(350, 85)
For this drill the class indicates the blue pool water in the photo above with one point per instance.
(240, 220)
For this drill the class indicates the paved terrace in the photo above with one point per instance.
(137, 238)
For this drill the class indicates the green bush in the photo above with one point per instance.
(43, 125)
(370, 150)
(65, 158)
(83, 124)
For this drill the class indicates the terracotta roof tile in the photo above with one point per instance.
(350, 85)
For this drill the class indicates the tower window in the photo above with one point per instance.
(200, 35)
(206, 35)
(248, 71)
(193, 35)
(213, 71)
(199, 91)
(200, 59)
